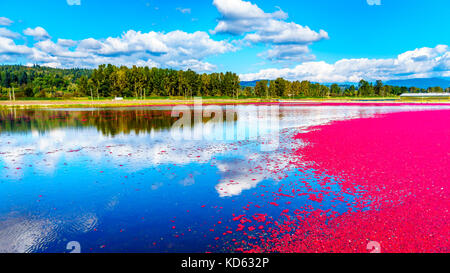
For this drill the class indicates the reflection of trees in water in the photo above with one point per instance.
(13, 120)
(108, 122)
(114, 122)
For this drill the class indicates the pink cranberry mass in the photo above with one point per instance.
(397, 167)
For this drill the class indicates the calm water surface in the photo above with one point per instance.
(115, 180)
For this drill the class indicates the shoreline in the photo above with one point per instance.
(209, 101)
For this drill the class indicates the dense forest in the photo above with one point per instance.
(108, 81)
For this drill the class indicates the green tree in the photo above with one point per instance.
(261, 89)
(335, 90)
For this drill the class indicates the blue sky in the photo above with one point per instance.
(320, 40)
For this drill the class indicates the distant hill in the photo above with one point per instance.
(249, 83)
(421, 83)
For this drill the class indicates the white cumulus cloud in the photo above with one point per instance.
(176, 49)
(9, 47)
(37, 33)
(418, 63)
(297, 53)
(5, 21)
(239, 17)
(4, 32)
(244, 18)
(67, 42)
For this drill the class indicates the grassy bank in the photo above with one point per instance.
(122, 103)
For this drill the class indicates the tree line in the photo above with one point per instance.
(108, 81)
(283, 88)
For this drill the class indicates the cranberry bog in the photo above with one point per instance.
(344, 178)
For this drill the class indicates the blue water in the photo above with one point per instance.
(65, 178)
